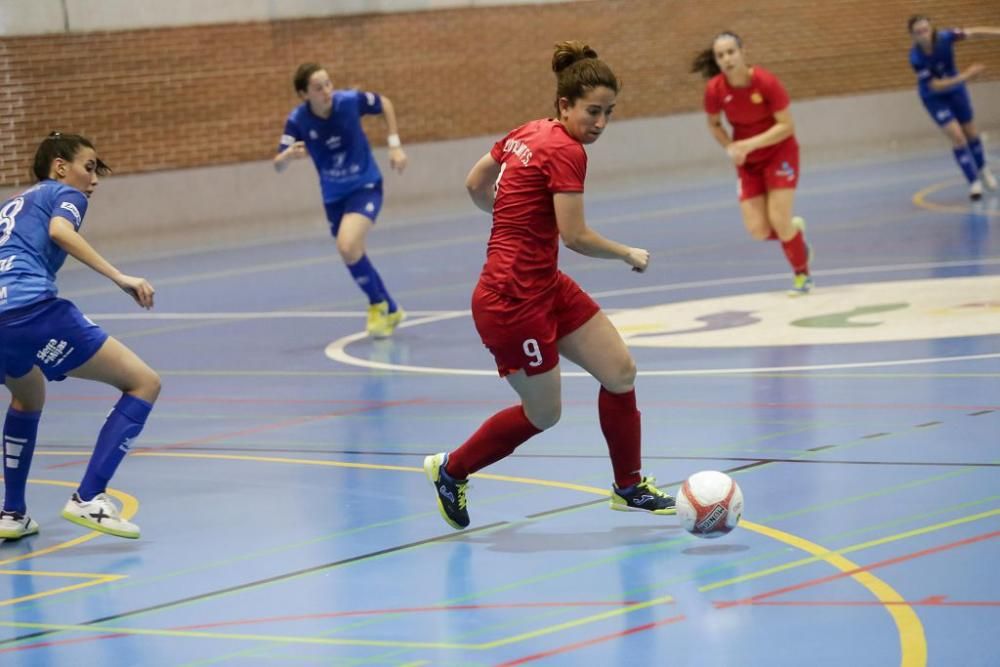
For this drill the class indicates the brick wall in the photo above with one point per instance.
(182, 97)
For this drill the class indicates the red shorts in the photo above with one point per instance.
(524, 334)
(779, 170)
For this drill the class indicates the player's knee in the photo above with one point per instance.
(27, 404)
(624, 377)
(759, 231)
(627, 373)
(543, 416)
(350, 250)
(148, 386)
(155, 385)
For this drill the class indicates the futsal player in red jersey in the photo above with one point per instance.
(528, 313)
(762, 147)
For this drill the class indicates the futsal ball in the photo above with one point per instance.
(709, 504)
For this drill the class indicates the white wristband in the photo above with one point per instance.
(394, 141)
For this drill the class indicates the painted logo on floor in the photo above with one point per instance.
(873, 312)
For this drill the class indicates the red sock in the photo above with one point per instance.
(773, 236)
(495, 439)
(621, 426)
(797, 253)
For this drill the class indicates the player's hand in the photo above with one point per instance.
(973, 70)
(137, 288)
(737, 152)
(638, 259)
(295, 151)
(397, 159)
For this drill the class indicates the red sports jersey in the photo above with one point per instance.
(536, 160)
(749, 109)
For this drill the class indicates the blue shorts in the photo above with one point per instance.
(52, 334)
(955, 105)
(366, 201)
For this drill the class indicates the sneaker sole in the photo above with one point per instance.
(431, 466)
(621, 507)
(32, 530)
(97, 527)
(380, 334)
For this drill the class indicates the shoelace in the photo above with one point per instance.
(105, 503)
(649, 484)
(461, 496)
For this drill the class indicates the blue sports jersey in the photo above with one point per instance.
(337, 145)
(29, 259)
(939, 64)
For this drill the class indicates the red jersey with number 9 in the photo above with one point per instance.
(536, 160)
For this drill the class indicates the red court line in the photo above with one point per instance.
(411, 610)
(590, 642)
(840, 575)
(296, 421)
(61, 642)
(337, 614)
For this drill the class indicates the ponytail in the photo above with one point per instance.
(705, 63)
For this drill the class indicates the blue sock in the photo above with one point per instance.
(385, 293)
(20, 430)
(370, 282)
(123, 425)
(966, 163)
(976, 146)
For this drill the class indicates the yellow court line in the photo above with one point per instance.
(67, 575)
(62, 589)
(366, 466)
(575, 623)
(130, 505)
(846, 550)
(920, 199)
(913, 643)
(382, 643)
(279, 639)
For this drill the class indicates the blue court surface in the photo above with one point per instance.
(286, 519)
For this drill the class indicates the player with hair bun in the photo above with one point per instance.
(528, 313)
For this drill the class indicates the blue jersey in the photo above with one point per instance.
(938, 64)
(29, 259)
(337, 145)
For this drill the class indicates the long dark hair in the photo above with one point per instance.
(65, 146)
(578, 69)
(704, 62)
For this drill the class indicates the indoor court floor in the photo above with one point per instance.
(286, 519)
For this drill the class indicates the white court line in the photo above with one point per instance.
(657, 213)
(993, 261)
(672, 287)
(337, 349)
